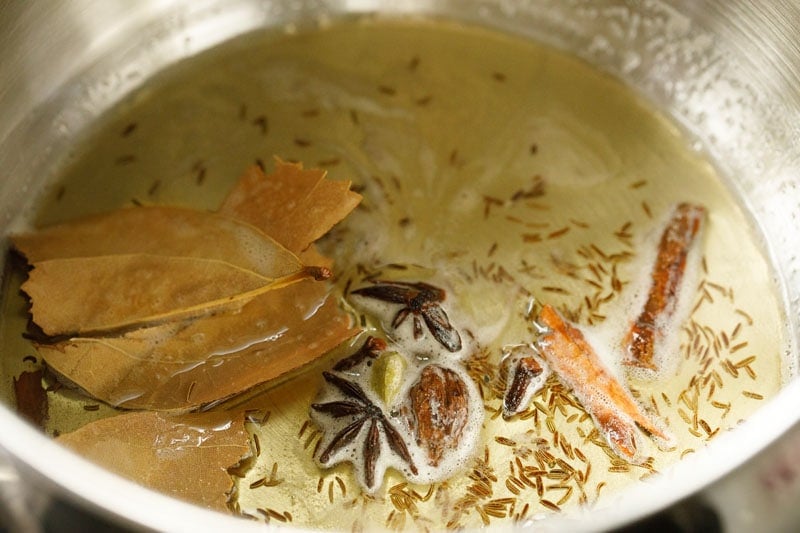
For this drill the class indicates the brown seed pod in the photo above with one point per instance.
(437, 411)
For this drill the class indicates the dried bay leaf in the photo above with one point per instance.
(93, 294)
(294, 206)
(162, 231)
(183, 365)
(184, 456)
(166, 308)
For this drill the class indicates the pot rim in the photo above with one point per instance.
(92, 485)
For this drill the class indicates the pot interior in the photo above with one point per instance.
(733, 109)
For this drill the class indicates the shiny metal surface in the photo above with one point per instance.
(727, 72)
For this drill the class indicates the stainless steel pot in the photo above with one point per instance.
(727, 72)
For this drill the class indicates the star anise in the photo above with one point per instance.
(359, 406)
(420, 300)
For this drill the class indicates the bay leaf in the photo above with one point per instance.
(172, 309)
(184, 456)
(293, 205)
(91, 294)
(163, 231)
(184, 365)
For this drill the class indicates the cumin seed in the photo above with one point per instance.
(495, 512)
(745, 315)
(579, 223)
(550, 505)
(738, 347)
(557, 290)
(565, 497)
(276, 515)
(558, 233)
(310, 438)
(511, 487)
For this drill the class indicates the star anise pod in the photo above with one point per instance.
(420, 300)
(364, 411)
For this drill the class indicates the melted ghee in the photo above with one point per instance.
(509, 171)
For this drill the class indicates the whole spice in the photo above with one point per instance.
(185, 456)
(369, 350)
(31, 396)
(612, 407)
(437, 411)
(667, 274)
(525, 375)
(420, 300)
(362, 410)
(140, 307)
